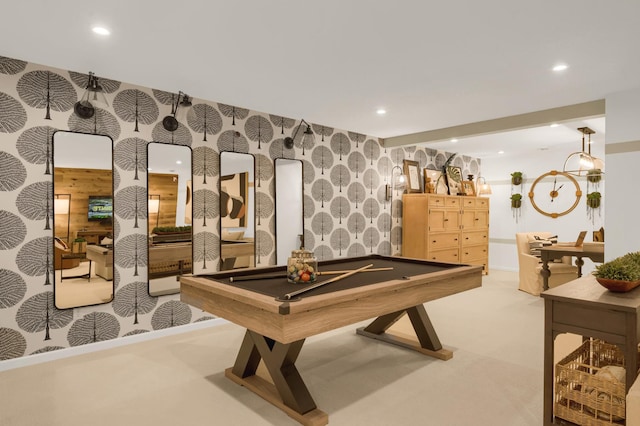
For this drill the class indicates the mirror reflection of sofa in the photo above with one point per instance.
(103, 259)
(531, 280)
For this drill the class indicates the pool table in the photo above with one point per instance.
(277, 328)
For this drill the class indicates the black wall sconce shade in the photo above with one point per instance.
(93, 92)
(170, 122)
(288, 141)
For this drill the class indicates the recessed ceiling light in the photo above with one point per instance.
(560, 67)
(500, 152)
(381, 111)
(554, 125)
(179, 162)
(101, 30)
(149, 168)
(454, 140)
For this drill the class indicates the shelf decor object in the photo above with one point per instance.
(621, 274)
(412, 171)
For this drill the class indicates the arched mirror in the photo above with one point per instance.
(289, 213)
(83, 219)
(237, 211)
(169, 216)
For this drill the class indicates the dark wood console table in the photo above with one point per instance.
(549, 253)
(585, 308)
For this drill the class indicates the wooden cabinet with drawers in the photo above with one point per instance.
(446, 228)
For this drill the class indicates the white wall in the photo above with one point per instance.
(622, 233)
(503, 225)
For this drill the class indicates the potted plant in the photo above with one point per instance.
(79, 245)
(593, 199)
(516, 201)
(620, 274)
(594, 175)
(516, 178)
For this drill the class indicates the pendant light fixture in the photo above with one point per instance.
(170, 122)
(93, 94)
(581, 163)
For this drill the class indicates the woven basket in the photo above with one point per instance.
(581, 396)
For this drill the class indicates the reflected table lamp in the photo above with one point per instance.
(62, 206)
(154, 207)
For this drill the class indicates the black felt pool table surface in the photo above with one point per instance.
(279, 286)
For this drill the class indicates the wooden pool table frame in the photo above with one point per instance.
(276, 330)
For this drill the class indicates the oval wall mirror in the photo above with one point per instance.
(169, 214)
(83, 219)
(237, 211)
(289, 209)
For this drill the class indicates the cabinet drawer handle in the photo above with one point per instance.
(433, 241)
(446, 220)
(477, 218)
(466, 238)
(455, 239)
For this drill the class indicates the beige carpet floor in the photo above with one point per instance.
(494, 378)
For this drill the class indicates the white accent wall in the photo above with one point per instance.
(503, 225)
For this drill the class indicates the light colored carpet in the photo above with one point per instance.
(494, 378)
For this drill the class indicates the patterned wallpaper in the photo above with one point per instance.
(346, 213)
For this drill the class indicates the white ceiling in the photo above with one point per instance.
(335, 62)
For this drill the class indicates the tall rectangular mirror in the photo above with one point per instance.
(237, 211)
(289, 207)
(83, 219)
(169, 214)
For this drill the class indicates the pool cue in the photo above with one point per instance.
(288, 296)
(349, 270)
(281, 275)
(258, 277)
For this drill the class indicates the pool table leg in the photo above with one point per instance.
(428, 342)
(288, 391)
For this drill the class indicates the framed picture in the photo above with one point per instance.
(454, 180)
(411, 169)
(468, 188)
(438, 180)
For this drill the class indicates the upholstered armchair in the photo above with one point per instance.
(530, 266)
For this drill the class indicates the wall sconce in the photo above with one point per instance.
(62, 205)
(170, 122)
(482, 186)
(154, 207)
(288, 141)
(93, 93)
(581, 162)
(398, 182)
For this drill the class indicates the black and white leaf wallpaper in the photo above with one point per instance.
(345, 209)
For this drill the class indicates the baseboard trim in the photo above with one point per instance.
(34, 359)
